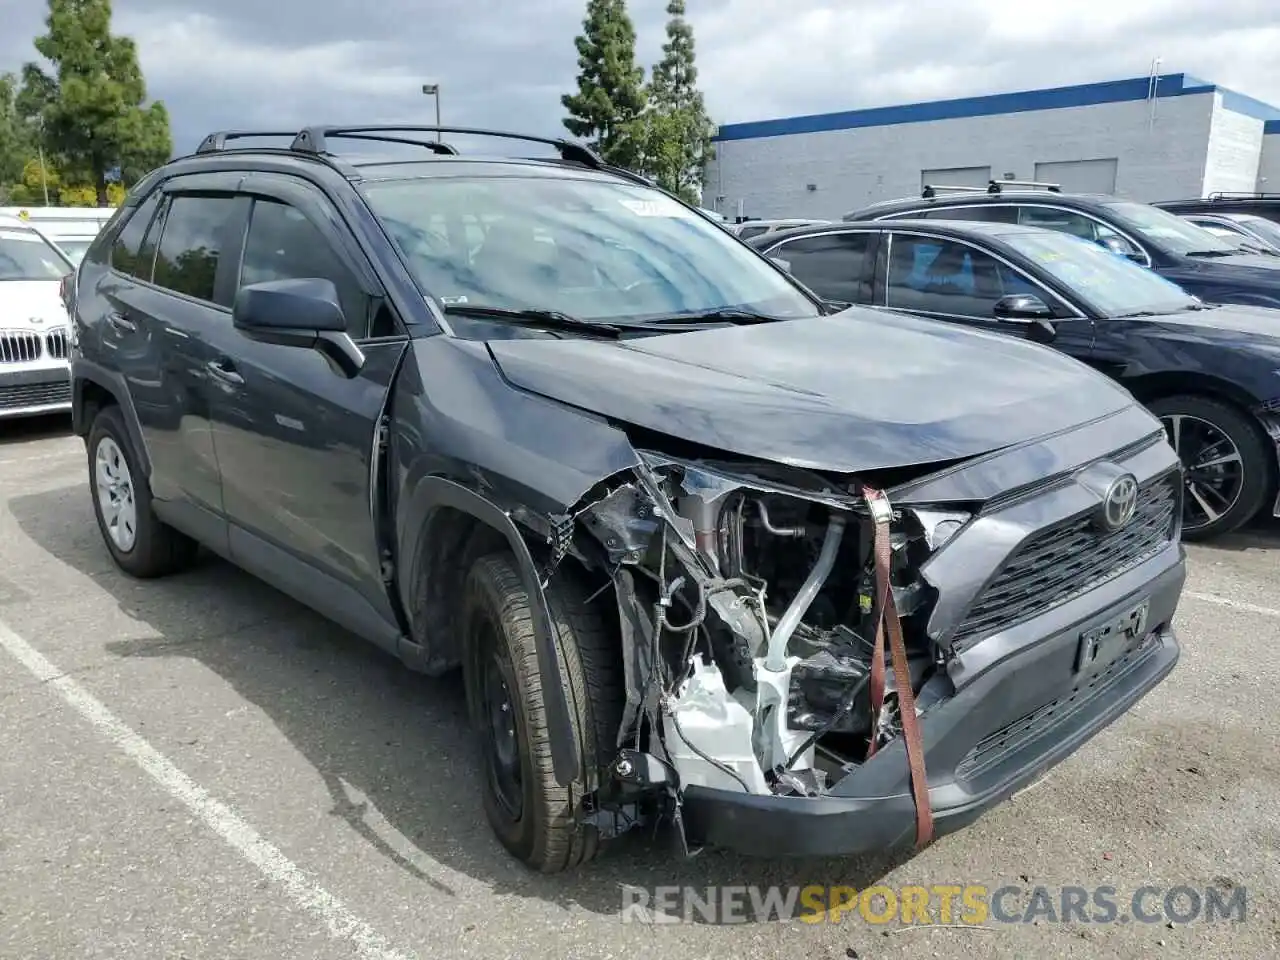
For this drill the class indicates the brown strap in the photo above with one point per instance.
(888, 620)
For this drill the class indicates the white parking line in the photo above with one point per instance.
(1234, 604)
(341, 923)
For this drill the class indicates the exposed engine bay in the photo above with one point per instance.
(749, 611)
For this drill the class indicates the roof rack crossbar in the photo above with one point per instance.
(217, 141)
(315, 139)
(931, 190)
(997, 186)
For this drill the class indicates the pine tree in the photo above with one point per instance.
(90, 112)
(610, 96)
(677, 130)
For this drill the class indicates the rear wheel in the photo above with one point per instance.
(1229, 466)
(533, 816)
(139, 542)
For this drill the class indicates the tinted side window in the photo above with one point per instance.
(191, 242)
(940, 276)
(283, 244)
(128, 243)
(988, 213)
(1064, 221)
(746, 233)
(831, 265)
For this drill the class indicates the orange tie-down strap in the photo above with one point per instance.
(882, 514)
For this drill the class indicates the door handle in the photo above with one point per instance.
(223, 371)
(121, 323)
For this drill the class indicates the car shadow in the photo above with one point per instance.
(380, 736)
(1261, 534)
(30, 429)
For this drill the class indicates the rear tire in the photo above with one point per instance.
(1230, 466)
(141, 545)
(533, 816)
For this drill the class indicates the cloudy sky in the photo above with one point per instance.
(505, 63)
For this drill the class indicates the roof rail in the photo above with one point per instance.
(1241, 195)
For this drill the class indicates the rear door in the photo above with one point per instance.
(297, 440)
(948, 279)
(835, 266)
(166, 295)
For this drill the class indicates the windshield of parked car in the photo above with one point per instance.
(25, 255)
(1166, 229)
(1112, 284)
(1268, 230)
(592, 249)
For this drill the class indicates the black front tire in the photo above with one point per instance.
(1199, 416)
(157, 549)
(532, 815)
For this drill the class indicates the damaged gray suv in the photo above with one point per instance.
(794, 578)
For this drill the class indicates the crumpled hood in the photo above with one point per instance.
(31, 305)
(858, 391)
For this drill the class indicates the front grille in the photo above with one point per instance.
(1066, 559)
(34, 395)
(17, 346)
(991, 749)
(55, 344)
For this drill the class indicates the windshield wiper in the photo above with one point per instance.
(723, 314)
(1212, 253)
(552, 319)
(1137, 313)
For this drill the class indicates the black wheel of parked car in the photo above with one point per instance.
(140, 543)
(533, 816)
(1230, 467)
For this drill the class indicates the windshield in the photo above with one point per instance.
(25, 255)
(1114, 285)
(1266, 229)
(596, 250)
(74, 249)
(1167, 229)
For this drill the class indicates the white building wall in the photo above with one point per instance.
(1234, 151)
(848, 169)
(1269, 167)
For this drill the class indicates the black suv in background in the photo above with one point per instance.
(1190, 256)
(1208, 372)
(704, 549)
(1265, 205)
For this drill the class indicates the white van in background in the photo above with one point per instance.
(71, 228)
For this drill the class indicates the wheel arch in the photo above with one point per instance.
(450, 526)
(1155, 386)
(94, 387)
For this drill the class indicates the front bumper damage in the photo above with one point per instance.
(745, 602)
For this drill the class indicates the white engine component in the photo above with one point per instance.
(775, 741)
(718, 726)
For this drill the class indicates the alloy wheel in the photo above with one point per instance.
(1213, 469)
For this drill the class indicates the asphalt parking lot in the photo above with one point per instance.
(201, 768)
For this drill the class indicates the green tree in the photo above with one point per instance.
(676, 129)
(17, 143)
(90, 111)
(610, 97)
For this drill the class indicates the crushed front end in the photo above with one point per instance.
(748, 598)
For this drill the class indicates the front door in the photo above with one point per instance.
(296, 438)
(948, 279)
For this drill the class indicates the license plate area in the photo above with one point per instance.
(1102, 643)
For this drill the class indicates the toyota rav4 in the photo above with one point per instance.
(708, 550)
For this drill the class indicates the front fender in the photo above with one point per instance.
(85, 372)
(432, 493)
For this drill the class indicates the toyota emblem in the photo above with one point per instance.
(1119, 503)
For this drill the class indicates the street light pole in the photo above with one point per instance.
(433, 90)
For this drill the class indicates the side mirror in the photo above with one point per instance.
(1121, 248)
(298, 313)
(784, 264)
(1021, 307)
